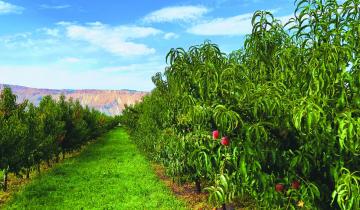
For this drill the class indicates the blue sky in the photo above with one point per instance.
(112, 44)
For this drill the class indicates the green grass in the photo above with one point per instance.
(109, 174)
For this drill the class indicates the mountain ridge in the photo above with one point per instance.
(110, 102)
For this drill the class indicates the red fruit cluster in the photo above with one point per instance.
(279, 187)
(215, 134)
(225, 141)
(295, 184)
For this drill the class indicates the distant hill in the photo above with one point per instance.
(110, 102)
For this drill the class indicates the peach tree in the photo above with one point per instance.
(286, 107)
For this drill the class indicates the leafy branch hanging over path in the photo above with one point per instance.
(110, 174)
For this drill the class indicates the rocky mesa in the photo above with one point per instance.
(110, 102)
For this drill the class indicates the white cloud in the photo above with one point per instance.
(37, 47)
(171, 35)
(50, 31)
(57, 77)
(7, 8)
(137, 67)
(28, 45)
(236, 25)
(116, 40)
(18, 40)
(64, 23)
(176, 13)
(231, 26)
(71, 60)
(46, 6)
(96, 23)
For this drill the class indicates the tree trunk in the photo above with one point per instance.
(198, 186)
(28, 173)
(223, 206)
(63, 153)
(48, 163)
(57, 159)
(5, 180)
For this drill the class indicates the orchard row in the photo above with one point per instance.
(275, 124)
(30, 135)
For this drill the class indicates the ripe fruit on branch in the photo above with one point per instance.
(279, 187)
(225, 141)
(215, 134)
(295, 184)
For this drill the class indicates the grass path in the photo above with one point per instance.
(109, 174)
